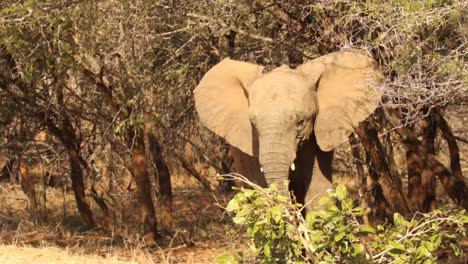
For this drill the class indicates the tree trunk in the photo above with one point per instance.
(421, 179)
(147, 212)
(79, 187)
(6, 171)
(226, 183)
(162, 173)
(454, 185)
(192, 171)
(27, 185)
(68, 138)
(380, 171)
(453, 182)
(361, 178)
(108, 214)
(390, 157)
(164, 180)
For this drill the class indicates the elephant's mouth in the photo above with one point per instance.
(293, 167)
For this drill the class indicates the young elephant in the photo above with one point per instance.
(291, 119)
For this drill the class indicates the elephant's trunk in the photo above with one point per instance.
(277, 150)
(277, 172)
(274, 174)
(276, 162)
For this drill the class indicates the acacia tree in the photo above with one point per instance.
(58, 83)
(34, 78)
(97, 73)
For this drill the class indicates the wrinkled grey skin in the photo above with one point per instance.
(289, 116)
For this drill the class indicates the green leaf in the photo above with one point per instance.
(226, 259)
(339, 237)
(367, 229)
(358, 249)
(248, 193)
(347, 204)
(233, 205)
(397, 245)
(400, 221)
(456, 249)
(435, 240)
(119, 127)
(277, 212)
(430, 246)
(266, 249)
(324, 200)
(282, 198)
(341, 192)
(243, 212)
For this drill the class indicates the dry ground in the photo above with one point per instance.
(26, 255)
(58, 235)
(62, 238)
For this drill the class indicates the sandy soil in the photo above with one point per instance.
(201, 221)
(29, 255)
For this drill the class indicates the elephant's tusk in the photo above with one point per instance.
(293, 167)
(261, 169)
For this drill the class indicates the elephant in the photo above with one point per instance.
(290, 120)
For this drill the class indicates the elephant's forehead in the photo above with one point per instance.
(282, 89)
(279, 85)
(281, 80)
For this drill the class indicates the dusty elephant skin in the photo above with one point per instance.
(291, 119)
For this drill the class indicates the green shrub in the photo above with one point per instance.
(334, 233)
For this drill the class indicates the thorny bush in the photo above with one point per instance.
(334, 232)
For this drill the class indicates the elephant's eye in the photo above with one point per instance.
(300, 122)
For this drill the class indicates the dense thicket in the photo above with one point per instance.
(113, 80)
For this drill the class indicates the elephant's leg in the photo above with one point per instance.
(313, 175)
(300, 178)
(321, 178)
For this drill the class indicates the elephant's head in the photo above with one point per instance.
(269, 114)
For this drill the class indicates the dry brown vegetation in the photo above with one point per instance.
(203, 231)
(101, 151)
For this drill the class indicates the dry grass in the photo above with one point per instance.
(57, 234)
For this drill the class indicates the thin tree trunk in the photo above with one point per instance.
(138, 157)
(226, 183)
(391, 187)
(452, 144)
(67, 135)
(361, 178)
(164, 180)
(68, 138)
(6, 171)
(421, 183)
(192, 171)
(79, 187)
(391, 157)
(108, 214)
(454, 185)
(421, 179)
(428, 176)
(27, 185)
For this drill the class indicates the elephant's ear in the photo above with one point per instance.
(346, 94)
(221, 100)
